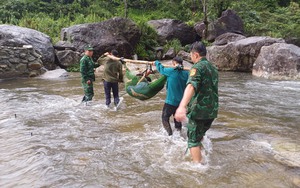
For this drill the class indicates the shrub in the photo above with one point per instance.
(147, 43)
(74, 68)
(175, 43)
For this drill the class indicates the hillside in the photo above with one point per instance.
(275, 18)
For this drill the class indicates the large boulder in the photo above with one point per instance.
(227, 38)
(239, 55)
(170, 54)
(67, 58)
(20, 61)
(185, 55)
(117, 33)
(293, 40)
(278, 61)
(169, 29)
(228, 22)
(64, 45)
(15, 36)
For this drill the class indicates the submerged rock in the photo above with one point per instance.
(287, 153)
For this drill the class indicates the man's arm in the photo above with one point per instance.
(161, 69)
(96, 64)
(102, 59)
(83, 69)
(121, 72)
(189, 92)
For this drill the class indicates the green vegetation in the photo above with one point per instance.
(175, 44)
(148, 40)
(74, 68)
(275, 18)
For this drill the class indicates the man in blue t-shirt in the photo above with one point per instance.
(176, 83)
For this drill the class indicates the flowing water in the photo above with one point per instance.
(49, 139)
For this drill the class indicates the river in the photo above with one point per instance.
(49, 139)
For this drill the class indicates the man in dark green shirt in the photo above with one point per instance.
(200, 100)
(112, 75)
(87, 66)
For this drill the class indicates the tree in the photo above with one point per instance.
(205, 20)
(220, 5)
(126, 8)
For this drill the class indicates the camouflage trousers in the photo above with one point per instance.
(88, 91)
(196, 131)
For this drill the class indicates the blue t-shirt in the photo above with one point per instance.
(176, 83)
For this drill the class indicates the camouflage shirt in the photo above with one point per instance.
(204, 78)
(87, 66)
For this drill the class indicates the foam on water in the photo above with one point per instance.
(53, 74)
(174, 154)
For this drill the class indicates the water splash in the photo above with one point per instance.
(54, 74)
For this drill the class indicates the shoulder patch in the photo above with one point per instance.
(193, 72)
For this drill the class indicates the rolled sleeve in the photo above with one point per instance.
(195, 80)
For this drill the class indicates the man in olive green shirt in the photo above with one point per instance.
(87, 66)
(200, 100)
(112, 75)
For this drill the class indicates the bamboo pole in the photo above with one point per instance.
(171, 66)
(129, 60)
(140, 61)
(141, 79)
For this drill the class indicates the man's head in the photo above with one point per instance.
(177, 60)
(198, 50)
(115, 53)
(89, 50)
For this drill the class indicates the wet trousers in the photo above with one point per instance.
(88, 91)
(196, 131)
(108, 87)
(167, 112)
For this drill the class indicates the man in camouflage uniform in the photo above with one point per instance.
(87, 66)
(200, 100)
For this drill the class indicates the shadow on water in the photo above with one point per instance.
(49, 139)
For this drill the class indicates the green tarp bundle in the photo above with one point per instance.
(143, 90)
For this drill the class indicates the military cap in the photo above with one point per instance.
(89, 48)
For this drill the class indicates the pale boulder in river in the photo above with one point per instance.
(239, 55)
(278, 61)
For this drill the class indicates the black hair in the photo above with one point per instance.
(178, 60)
(198, 47)
(115, 53)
